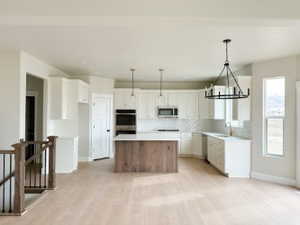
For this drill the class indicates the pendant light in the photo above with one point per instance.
(160, 81)
(234, 92)
(132, 81)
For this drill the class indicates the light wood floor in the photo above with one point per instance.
(197, 195)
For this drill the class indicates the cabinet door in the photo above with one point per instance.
(83, 92)
(197, 144)
(181, 101)
(130, 101)
(192, 107)
(173, 99)
(162, 100)
(147, 105)
(63, 99)
(124, 100)
(70, 99)
(186, 143)
(220, 156)
(219, 104)
(242, 107)
(118, 100)
(210, 149)
(205, 106)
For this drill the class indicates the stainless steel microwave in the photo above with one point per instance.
(167, 112)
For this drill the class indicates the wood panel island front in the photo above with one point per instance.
(153, 153)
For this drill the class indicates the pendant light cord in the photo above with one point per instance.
(132, 81)
(160, 82)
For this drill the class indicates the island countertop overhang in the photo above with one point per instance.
(145, 137)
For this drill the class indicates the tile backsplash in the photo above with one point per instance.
(218, 126)
(183, 125)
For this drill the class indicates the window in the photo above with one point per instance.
(274, 116)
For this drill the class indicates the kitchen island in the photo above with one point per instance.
(146, 152)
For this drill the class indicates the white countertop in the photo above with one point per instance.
(146, 137)
(224, 137)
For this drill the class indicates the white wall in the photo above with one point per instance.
(13, 69)
(30, 64)
(283, 167)
(101, 85)
(36, 86)
(84, 133)
(10, 102)
(298, 124)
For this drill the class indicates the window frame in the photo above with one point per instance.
(266, 118)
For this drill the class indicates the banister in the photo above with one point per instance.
(7, 151)
(38, 154)
(20, 165)
(36, 142)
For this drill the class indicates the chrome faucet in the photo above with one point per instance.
(229, 126)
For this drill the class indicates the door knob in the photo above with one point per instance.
(107, 130)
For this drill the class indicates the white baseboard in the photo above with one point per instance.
(84, 159)
(191, 156)
(274, 179)
(198, 156)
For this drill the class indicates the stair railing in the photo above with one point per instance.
(14, 174)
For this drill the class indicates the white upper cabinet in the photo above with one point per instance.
(192, 103)
(124, 100)
(61, 92)
(218, 105)
(241, 109)
(83, 92)
(162, 100)
(205, 106)
(147, 101)
(187, 103)
(212, 108)
(147, 105)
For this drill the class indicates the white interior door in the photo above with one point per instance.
(101, 126)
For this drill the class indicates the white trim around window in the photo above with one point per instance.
(273, 113)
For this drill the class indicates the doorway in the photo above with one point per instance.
(34, 112)
(101, 126)
(30, 126)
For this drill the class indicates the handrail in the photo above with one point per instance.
(48, 144)
(17, 165)
(37, 142)
(7, 151)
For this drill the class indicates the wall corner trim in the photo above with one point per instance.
(273, 179)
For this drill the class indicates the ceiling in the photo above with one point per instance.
(100, 38)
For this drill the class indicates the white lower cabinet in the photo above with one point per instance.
(231, 157)
(197, 145)
(66, 154)
(186, 144)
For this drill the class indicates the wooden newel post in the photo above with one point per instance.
(19, 196)
(52, 157)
